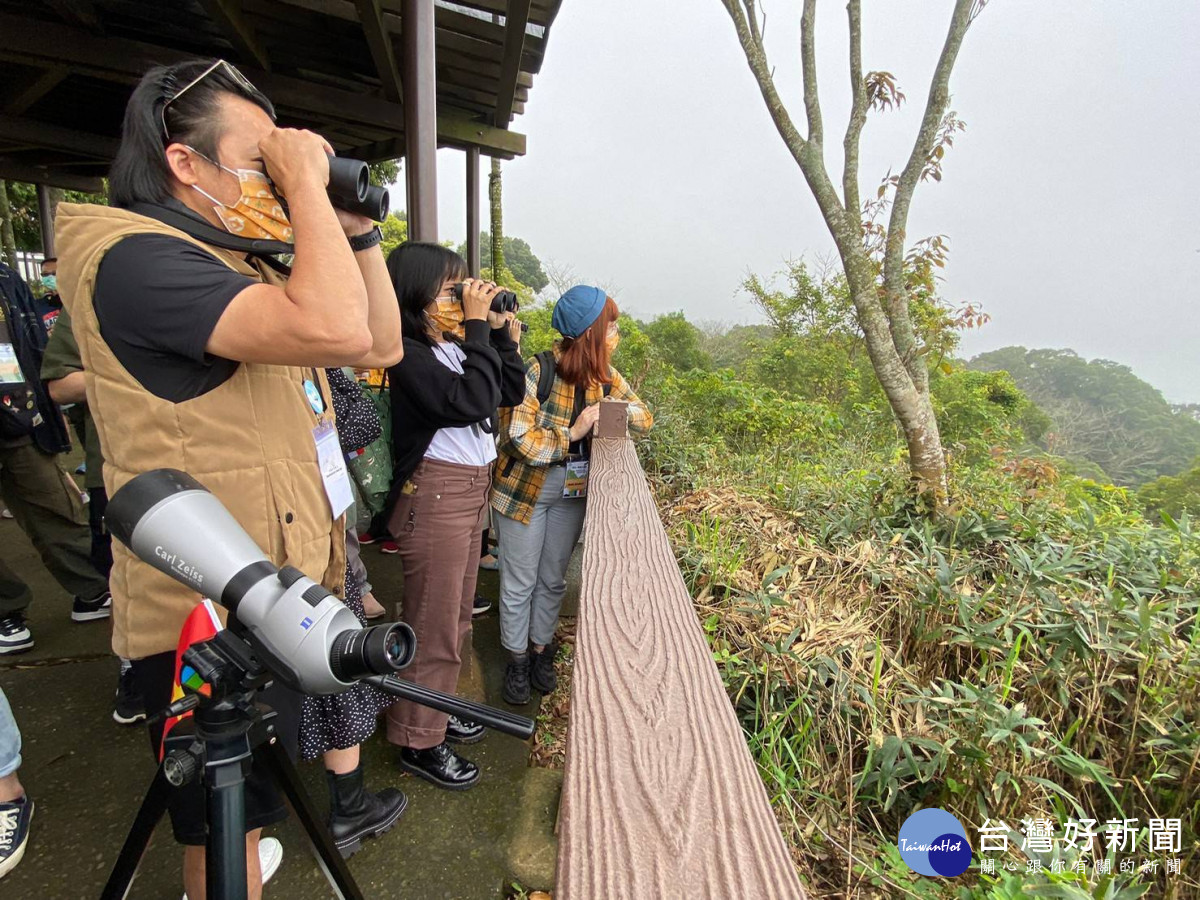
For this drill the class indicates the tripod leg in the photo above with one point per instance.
(225, 853)
(333, 867)
(151, 811)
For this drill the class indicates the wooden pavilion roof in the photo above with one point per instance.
(335, 66)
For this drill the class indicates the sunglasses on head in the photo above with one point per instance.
(229, 69)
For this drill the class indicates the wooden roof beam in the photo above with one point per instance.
(516, 20)
(12, 170)
(77, 12)
(228, 17)
(379, 41)
(35, 89)
(454, 130)
(126, 60)
(57, 137)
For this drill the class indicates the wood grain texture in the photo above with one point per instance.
(661, 797)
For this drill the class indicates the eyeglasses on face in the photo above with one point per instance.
(238, 77)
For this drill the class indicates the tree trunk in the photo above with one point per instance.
(497, 225)
(8, 243)
(881, 303)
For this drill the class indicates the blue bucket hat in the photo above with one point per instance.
(577, 309)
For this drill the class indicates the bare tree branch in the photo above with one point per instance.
(858, 110)
(807, 155)
(893, 260)
(808, 61)
(752, 18)
(757, 58)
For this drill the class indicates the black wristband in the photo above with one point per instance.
(366, 241)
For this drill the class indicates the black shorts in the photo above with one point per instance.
(155, 676)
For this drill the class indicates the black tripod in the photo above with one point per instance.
(230, 731)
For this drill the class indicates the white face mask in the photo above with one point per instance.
(257, 213)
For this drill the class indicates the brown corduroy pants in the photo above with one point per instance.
(436, 522)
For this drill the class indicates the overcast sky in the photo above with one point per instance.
(1070, 201)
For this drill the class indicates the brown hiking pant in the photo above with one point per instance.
(436, 522)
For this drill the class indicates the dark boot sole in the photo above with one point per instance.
(465, 741)
(543, 687)
(348, 846)
(437, 782)
(513, 701)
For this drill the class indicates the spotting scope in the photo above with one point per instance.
(305, 635)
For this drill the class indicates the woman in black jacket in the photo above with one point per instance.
(461, 362)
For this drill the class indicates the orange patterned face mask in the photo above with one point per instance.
(447, 317)
(257, 214)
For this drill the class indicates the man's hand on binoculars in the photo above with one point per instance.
(296, 159)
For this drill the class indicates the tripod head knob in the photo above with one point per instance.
(180, 767)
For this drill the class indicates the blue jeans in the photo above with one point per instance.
(10, 739)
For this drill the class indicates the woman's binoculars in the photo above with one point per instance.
(502, 301)
(350, 189)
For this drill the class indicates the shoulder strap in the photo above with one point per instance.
(545, 361)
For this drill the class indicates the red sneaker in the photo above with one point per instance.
(366, 538)
(388, 547)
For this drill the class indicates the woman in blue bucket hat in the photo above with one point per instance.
(540, 486)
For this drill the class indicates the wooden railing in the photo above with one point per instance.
(661, 798)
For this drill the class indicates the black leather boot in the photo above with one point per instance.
(441, 766)
(356, 813)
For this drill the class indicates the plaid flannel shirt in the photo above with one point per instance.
(534, 436)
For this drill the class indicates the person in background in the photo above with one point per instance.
(50, 304)
(461, 362)
(62, 372)
(333, 726)
(16, 809)
(42, 497)
(544, 449)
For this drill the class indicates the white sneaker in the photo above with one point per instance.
(5, 514)
(14, 635)
(270, 855)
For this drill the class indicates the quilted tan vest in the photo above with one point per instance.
(248, 441)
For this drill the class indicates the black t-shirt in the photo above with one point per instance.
(158, 299)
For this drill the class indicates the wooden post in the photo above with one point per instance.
(46, 220)
(473, 211)
(420, 119)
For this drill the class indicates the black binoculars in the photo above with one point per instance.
(502, 302)
(350, 189)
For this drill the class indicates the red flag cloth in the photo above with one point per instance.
(201, 624)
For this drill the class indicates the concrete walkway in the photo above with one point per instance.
(87, 775)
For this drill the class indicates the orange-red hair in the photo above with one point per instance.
(585, 359)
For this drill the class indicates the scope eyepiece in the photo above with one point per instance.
(378, 650)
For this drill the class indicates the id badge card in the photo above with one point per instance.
(577, 478)
(10, 367)
(333, 468)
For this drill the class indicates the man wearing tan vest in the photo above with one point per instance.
(203, 358)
